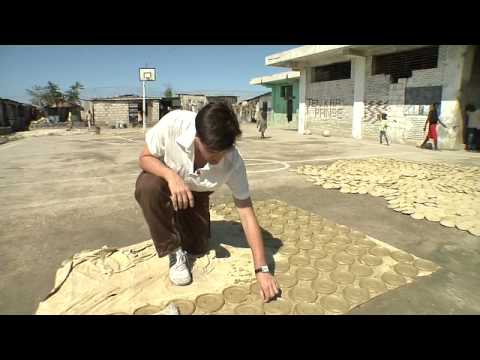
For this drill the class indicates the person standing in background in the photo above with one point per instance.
(473, 128)
(432, 121)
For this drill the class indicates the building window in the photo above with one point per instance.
(338, 71)
(286, 91)
(401, 64)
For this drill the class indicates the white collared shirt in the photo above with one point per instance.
(172, 141)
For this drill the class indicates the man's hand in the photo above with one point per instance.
(268, 286)
(181, 195)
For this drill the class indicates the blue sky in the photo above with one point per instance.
(113, 70)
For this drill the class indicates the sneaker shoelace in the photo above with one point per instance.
(180, 260)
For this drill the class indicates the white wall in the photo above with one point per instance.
(329, 105)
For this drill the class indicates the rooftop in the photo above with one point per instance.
(310, 54)
(275, 78)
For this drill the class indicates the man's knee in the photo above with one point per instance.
(150, 186)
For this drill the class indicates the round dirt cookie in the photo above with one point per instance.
(371, 260)
(334, 304)
(299, 260)
(355, 295)
(302, 294)
(324, 287)
(317, 254)
(209, 302)
(249, 309)
(393, 280)
(356, 250)
(360, 270)
(288, 250)
(407, 270)
(185, 307)
(308, 309)
(343, 258)
(342, 277)
(306, 273)
(373, 286)
(305, 245)
(235, 294)
(278, 307)
(379, 251)
(286, 280)
(402, 257)
(147, 310)
(325, 265)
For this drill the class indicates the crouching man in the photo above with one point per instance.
(187, 156)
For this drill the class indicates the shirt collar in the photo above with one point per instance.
(186, 139)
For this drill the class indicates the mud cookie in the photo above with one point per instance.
(235, 294)
(185, 307)
(209, 302)
(147, 310)
(324, 287)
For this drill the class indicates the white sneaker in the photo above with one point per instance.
(179, 272)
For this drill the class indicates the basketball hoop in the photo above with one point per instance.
(147, 74)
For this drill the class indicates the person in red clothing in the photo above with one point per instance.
(432, 121)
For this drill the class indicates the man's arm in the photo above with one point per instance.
(253, 234)
(180, 194)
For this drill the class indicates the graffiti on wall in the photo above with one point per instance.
(324, 109)
(373, 109)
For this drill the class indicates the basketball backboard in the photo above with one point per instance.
(147, 74)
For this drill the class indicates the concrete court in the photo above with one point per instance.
(64, 194)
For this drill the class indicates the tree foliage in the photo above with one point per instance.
(168, 92)
(51, 94)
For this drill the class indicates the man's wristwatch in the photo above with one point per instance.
(262, 269)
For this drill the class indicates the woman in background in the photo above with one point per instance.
(432, 121)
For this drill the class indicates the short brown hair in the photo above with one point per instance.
(217, 126)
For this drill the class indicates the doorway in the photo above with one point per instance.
(287, 95)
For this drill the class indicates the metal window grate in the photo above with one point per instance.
(338, 71)
(401, 64)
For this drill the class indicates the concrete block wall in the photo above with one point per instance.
(107, 113)
(155, 113)
(193, 102)
(329, 105)
(382, 96)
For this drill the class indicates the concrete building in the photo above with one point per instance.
(123, 109)
(220, 98)
(16, 116)
(343, 87)
(285, 97)
(194, 102)
(246, 109)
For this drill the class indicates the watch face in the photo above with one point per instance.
(265, 268)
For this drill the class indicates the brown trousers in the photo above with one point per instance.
(189, 228)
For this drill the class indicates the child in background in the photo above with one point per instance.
(382, 117)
